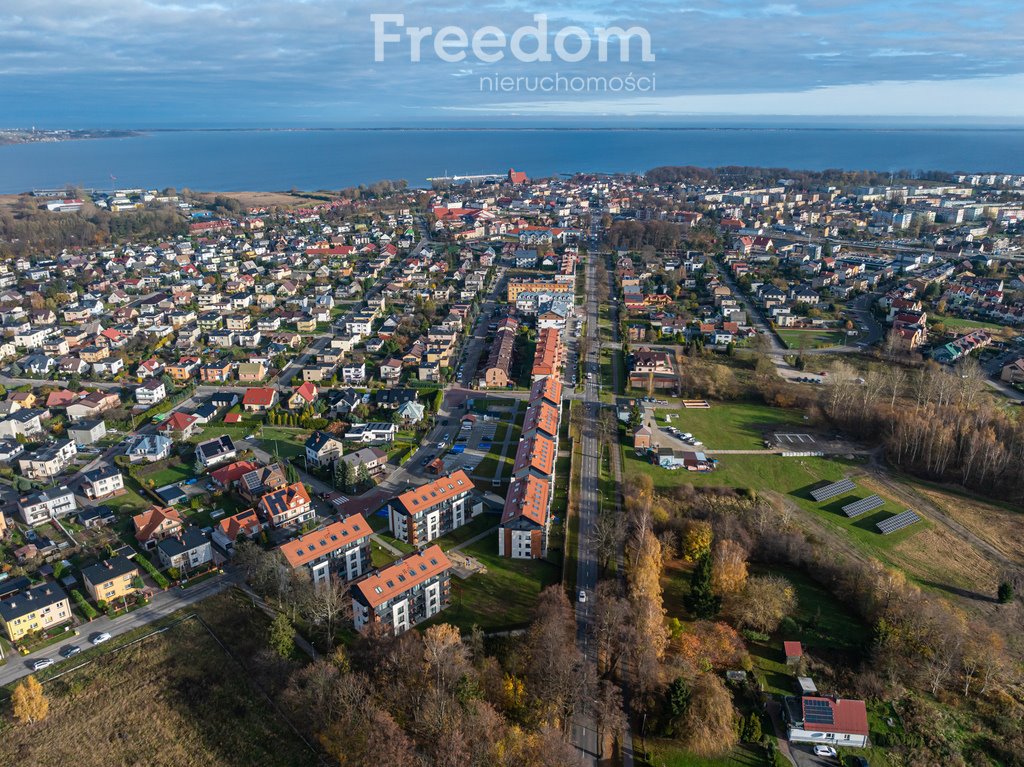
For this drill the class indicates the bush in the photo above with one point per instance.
(87, 609)
(158, 577)
(1005, 593)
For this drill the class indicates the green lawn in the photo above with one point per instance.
(501, 598)
(402, 546)
(379, 556)
(169, 475)
(472, 528)
(954, 323)
(667, 753)
(793, 478)
(731, 425)
(813, 339)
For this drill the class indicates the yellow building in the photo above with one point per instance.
(36, 609)
(112, 579)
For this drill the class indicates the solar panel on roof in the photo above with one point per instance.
(857, 508)
(830, 491)
(898, 522)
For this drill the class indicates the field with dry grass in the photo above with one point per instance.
(262, 199)
(175, 700)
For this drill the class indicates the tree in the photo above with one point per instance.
(328, 606)
(1005, 593)
(728, 568)
(29, 701)
(701, 601)
(708, 721)
(763, 603)
(697, 541)
(282, 636)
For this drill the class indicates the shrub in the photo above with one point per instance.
(1005, 593)
(158, 577)
(87, 609)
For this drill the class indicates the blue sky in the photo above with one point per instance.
(179, 63)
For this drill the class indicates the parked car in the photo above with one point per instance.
(70, 651)
(42, 663)
(100, 638)
(824, 751)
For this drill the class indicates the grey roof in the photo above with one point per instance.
(115, 567)
(103, 472)
(35, 598)
(189, 539)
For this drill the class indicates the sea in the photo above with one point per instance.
(312, 159)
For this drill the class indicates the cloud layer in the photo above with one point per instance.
(311, 62)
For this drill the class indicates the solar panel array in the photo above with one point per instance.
(857, 508)
(817, 712)
(892, 524)
(829, 492)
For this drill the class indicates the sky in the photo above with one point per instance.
(314, 63)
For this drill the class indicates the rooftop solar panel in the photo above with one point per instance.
(898, 522)
(829, 492)
(857, 508)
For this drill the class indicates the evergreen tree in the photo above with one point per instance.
(282, 636)
(701, 601)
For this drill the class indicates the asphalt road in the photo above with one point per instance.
(163, 604)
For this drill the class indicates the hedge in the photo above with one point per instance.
(87, 609)
(158, 577)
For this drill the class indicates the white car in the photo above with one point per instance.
(440, 445)
(824, 751)
(42, 663)
(583, 596)
(100, 638)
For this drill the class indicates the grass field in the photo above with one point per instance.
(175, 700)
(666, 753)
(793, 478)
(501, 598)
(474, 527)
(168, 475)
(731, 425)
(956, 323)
(813, 339)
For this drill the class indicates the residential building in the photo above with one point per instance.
(150, 392)
(111, 579)
(404, 594)
(37, 609)
(216, 451)
(287, 507)
(256, 483)
(427, 512)
(48, 461)
(829, 721)
(229, 529)
(525, 519)
(103, 482)
(86, 433)
(259, 400)
(302, 396)
(323, 449)
(188, 550)
(373, 459)
(371, 432)
(155, 524)
(148, 447)
(341, 548)
(179, 426)
(1013, 372)
(39, 507)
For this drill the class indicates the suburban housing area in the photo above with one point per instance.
(691, 467)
